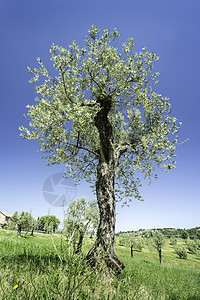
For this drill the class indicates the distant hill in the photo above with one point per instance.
(168, 232)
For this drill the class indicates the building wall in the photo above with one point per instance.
(2, 218)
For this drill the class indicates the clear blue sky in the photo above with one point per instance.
(168, 28)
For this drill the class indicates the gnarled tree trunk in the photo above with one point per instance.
(104, 247)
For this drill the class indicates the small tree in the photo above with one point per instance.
(180, 251)
(48, 223)
(30, 224)
(136, 244)
(82, 216)
(159, 241)
(198, 234)
(21, 221)
(33, 225)
(173, 241)
(184, 234)
(192, 246)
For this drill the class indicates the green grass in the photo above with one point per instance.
(44, 267)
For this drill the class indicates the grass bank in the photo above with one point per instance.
(44, 267)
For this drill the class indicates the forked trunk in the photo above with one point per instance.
(104, 247)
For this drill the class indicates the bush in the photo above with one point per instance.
(181, 252)
(173, 241)
(192, 247)
(184, 234)
(149, 244)
(123, 241)
(198, 244)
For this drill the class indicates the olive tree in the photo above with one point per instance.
(81, 217)
(48, 223)
(21, 221)
(159, 241)
(98, 114)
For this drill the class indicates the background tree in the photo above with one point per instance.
(137, 244)
(184, 234)
(101, 118)
(198, 234)
(48, 223)
(21, 221)
(159, 241)
(81, 217)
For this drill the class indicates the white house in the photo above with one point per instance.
(4, 217)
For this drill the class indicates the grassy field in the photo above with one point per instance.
(44, 267)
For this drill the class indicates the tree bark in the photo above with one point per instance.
(104, 247)
(19, 230)
(160, 256)
(32, 232)
(80, 242)
(82, 232)
(131, 250)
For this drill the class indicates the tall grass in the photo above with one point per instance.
(45, 267)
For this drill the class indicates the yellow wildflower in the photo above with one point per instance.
(15, 287)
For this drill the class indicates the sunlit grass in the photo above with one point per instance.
(44, 267)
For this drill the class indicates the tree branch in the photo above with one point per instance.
(62, 75)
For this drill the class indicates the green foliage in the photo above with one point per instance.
(48, 223)
(137, 244)
(192, 246)
(21, 221)
(173, 241)
(34, 265)
(5, 225)
(198, 244)
(184, 234)
(63, 118)
(124, 240)
(181, 252)
(81, 217)
(158, 240)
(198, 234)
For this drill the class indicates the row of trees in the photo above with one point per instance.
(192, 233)
(156, 240)
(81, 218)
(26, 222)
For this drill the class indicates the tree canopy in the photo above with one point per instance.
(48, 223)
(63, 119)
(21, 221)
(100, 116)
(81, 217)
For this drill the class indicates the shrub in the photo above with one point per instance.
(198, 244)
(181, 252)
(192, 247)
(184, 234)
(173, 241)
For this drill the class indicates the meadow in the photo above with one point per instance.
(44, 267)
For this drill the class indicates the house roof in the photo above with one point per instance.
(6, 214)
